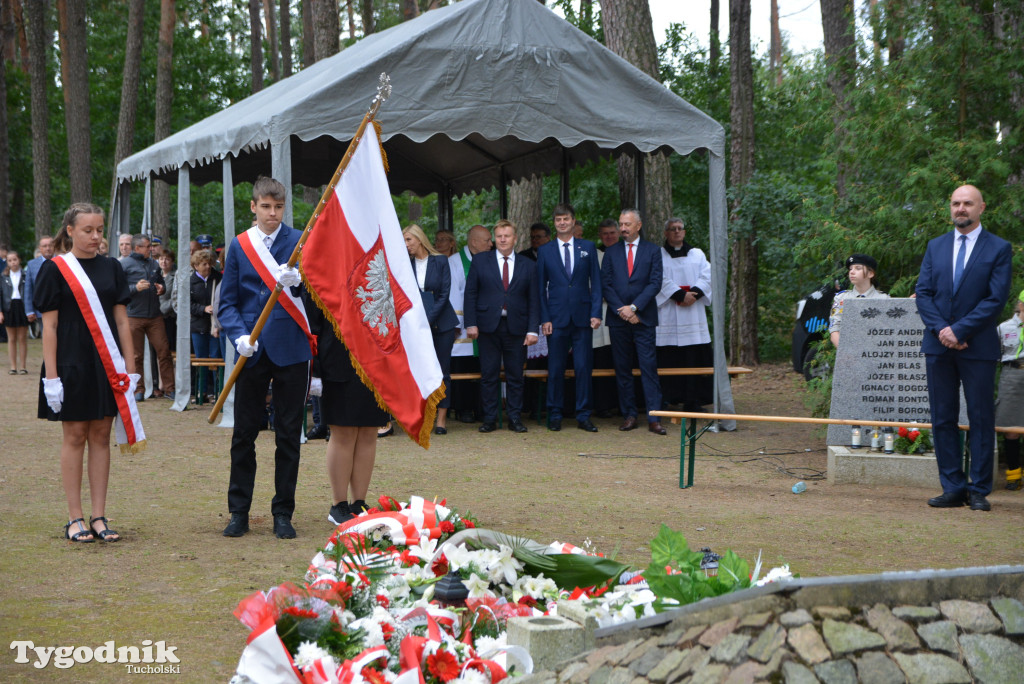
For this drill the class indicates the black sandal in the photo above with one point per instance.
(104, 534)
(78, 536)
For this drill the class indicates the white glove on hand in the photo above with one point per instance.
(133, 382)
(53, 390)
(288, 277)
(316, 387)
(244, 347)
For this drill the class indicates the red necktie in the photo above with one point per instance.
(629, 258)
(504, 273)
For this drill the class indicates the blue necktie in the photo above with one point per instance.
(568, 263)
(961, 255)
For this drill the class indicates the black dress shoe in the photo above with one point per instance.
(628, 424)
(586, 425)
(949, 500)
(319, 432)
(516, 426)
(440, 430)
(555, 424)
(487, 427)
(238, 526)
(980, 503)
(283, 527)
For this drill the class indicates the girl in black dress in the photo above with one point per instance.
(75, 388)
(351, 411)
(12, 312)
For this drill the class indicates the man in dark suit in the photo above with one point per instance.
(540, 235)
(963, 287)
(501, 312)
(256, 261)
(630, 278)
(569, 282)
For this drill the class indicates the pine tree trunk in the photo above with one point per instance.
(308, 49)
(6, 55)
(286, 39)
(743, 293)
(715, 41)
(841, 58)
(367, 12)
(129, 87)
(776, 44)
(351, 12)
(255, 46)
(629, 33)
(525, 207)
(162, 123)
(35, 22)
(75, 80)
(410, 10)
(275, 62)
(326, 40)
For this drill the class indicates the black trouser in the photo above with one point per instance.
(290, 385)
(495, 348)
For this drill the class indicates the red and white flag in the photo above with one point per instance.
(357, 269)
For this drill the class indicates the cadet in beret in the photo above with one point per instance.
(861, 272)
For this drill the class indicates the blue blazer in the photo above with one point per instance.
(621, 289)
(486, 296)
(437, 284)
(566, 301)
(243, 294)
(975, 308)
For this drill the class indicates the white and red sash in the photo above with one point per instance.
(266, 266)
(128, 425)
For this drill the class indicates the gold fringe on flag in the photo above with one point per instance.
(380, 141)
(136, 448)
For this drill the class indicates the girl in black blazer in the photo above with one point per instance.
(434, 278)
(12, 312)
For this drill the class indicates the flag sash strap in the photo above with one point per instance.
(265, 264)
(128, 425)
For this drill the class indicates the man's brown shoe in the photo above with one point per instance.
(628, 424)
(656, 428)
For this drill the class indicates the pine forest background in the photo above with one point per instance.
(853, 148)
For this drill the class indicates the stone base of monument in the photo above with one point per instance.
(862, 466)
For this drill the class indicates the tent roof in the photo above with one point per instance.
(481, 89)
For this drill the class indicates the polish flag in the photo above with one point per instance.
(357, 269)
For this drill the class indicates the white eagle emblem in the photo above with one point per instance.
(378, 304)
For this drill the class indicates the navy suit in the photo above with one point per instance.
(620, 288)
(437, 285)
(568, 303)
(501, 336)
(283, 356)
(973, 311)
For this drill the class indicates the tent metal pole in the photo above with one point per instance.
(227, 419)
(719, 239)
(449, 208)
(639, 159)
(503, 191)
(565, 177)
(183, 365)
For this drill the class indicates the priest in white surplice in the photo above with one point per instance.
(682, 335)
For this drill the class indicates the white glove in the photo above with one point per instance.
(133, 382)
(316, 387)
(244, 347)
(287, 276)
(53, 390)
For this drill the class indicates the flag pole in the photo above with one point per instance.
(383, 92)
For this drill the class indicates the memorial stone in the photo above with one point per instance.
(879, 372)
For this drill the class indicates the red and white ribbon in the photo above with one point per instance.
(128, 424)
(251, 242)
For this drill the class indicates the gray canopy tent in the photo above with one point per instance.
(485, 92)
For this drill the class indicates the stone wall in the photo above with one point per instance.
(925, 627)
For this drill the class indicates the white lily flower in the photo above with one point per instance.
(459, 556)
(478, 587)
(425, 549)
(503, 566)
(776, 575)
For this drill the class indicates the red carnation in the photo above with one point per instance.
(903, 431)
(914, 434)
(469, 523)
(447, 527)
(528, 601)
(387, 630)
(295, 611)
(440, 566)
(383, 600)
(408, 558)
(443, 665)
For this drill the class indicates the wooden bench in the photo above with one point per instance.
(690, 435)
(542, 375)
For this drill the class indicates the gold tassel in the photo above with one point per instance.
(136, 448)
(380, 140)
